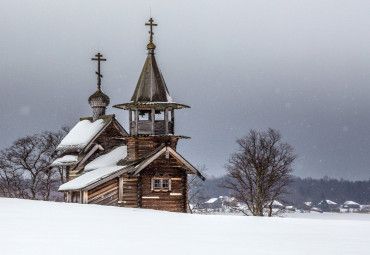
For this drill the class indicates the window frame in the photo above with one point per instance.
(161, 179)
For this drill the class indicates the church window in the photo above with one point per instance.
(161, 184)
(165, 184)
(157, 183)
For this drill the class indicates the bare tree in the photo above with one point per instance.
(196, 189)
(54, 139)
(259, 173)
(12, 183)
(24, 166)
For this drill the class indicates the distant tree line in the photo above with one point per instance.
(306, 190)
(339, 191)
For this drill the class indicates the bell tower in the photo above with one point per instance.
(151, 109)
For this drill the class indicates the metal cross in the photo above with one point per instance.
(151, 24)
(99, 58)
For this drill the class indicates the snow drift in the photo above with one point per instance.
(35, 227)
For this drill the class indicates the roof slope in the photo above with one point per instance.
(329, 202)
(66, 160)
(86, 131)
(99, 168)
(151, 86)
(113, 164)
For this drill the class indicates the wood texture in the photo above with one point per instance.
(165, 201)
(105, 194)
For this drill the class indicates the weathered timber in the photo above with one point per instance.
(105, 194)
(146, 127)
(163, 200)
(129, 192)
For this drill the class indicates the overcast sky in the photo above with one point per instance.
(302, 67)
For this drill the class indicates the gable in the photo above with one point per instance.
(165, 165)
(168, 151)
(80, 135)
(86, 131)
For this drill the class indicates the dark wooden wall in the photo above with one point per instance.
(105, 194)
(108, 139)
(138, 147)
(130, 192)
(173, 200)
(145, 127)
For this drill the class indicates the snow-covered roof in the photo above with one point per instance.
(66, 160)
(99, 168)
(277, 203)
(228, 199)
(328, 201)
(107, 159)
(211, 201)
(350, 203)
(81, 134)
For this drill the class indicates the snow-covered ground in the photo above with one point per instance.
(329, 216)
(35, 227)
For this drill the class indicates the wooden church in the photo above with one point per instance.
(141, 168)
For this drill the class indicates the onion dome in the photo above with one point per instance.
(99, 99)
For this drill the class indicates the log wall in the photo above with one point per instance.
(130, 193)
(173, 200)
(105, 194)
(138, 147)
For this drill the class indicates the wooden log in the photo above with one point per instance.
(153, 120)
(173, 120)
(166, 121)
(136, 121)
(85, 199)
(120, 188)
(130, 120)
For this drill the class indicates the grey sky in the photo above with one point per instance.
(298, 66)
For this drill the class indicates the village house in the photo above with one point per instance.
(306, 206)
(107, 165)
(214, 204)
(327, 205)
(350, 206)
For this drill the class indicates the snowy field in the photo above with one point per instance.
(35, 227)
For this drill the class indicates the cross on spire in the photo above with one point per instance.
(151, 23)
(99, 58)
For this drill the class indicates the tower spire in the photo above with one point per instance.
(99, 57)
(151, 45)
(98, 101)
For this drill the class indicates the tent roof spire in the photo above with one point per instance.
(151, 89)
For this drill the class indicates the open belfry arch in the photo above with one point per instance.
(140, 168)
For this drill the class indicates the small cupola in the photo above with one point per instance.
(151, 110)
(98, 101)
